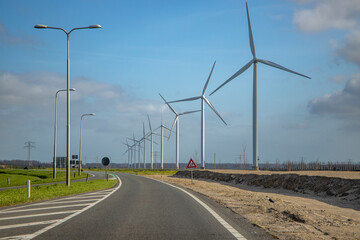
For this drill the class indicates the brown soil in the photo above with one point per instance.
(282, 213)
(339, 174)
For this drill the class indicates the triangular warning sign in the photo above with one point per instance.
(191, 164)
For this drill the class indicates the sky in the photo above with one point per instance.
(149, 47)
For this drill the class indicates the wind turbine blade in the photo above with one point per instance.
(243, 69)
(207, 82)
(144, 129)
(186, 99)
(183, 113)
(149, 122)
(272, 64)
(251, 38)
(168, 105)
(157, 128)
(167, 129)
(212, 107)
(176, 118)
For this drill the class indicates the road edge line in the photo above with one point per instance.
(228, 227)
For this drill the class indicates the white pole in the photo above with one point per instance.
(144, 152)
(28, 188)
(139, 156)
(55, 125)
(255, 125)
(152, 148)
(162, 149)
(177, 143)
(68, 115)
(202, 133)
(80, 146)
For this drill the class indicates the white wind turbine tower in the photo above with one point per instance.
(203, 100)
(176, 120)
(254, 61)
(144, 138)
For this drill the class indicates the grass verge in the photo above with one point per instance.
(17, 196)
(19, 177)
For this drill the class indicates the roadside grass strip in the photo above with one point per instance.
(18, 177)
(228, 227)
(35, 214)
(16, 196)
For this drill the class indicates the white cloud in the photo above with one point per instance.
(341, 104)
(351, 48)
(328, 14)
(27, 110)
(11, 39)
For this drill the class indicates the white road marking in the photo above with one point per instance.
(89, 197)
(38, 215)
(20, 237)
(73, 215)
(45, 208)
(28, 224)
(232, 230)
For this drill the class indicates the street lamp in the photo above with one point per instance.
(55, 131)
(87, 114)
(39, 26)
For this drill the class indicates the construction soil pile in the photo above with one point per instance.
(305, 205)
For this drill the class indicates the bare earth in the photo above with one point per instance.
(338, 174)
(283, 214)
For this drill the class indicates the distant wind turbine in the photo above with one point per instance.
(162, 142)
(254, 61)
(203, 100)
(176, 120)
(152, 143)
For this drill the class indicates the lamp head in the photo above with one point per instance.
(95, 26)
(72, 89)
(40, 26)
(92, 114)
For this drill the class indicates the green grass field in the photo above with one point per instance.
(18, 177)
(17, 196)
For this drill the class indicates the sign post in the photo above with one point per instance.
(105, 161)
(191, 165)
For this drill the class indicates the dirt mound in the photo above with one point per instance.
(346, 189)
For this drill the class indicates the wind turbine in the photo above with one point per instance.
(176, 120)
(162, 142)
(203, 100)
(127, 151)
(254, 62)
(152, 143)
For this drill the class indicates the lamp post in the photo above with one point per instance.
(39, 26)
(55, 131)
(86, 114)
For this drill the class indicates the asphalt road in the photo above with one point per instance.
(146, 209)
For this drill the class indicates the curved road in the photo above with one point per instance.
(146, 209)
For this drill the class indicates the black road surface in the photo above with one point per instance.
(146, 209)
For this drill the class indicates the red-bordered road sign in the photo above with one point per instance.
(191, 164)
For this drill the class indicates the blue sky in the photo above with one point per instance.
(168, 47)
